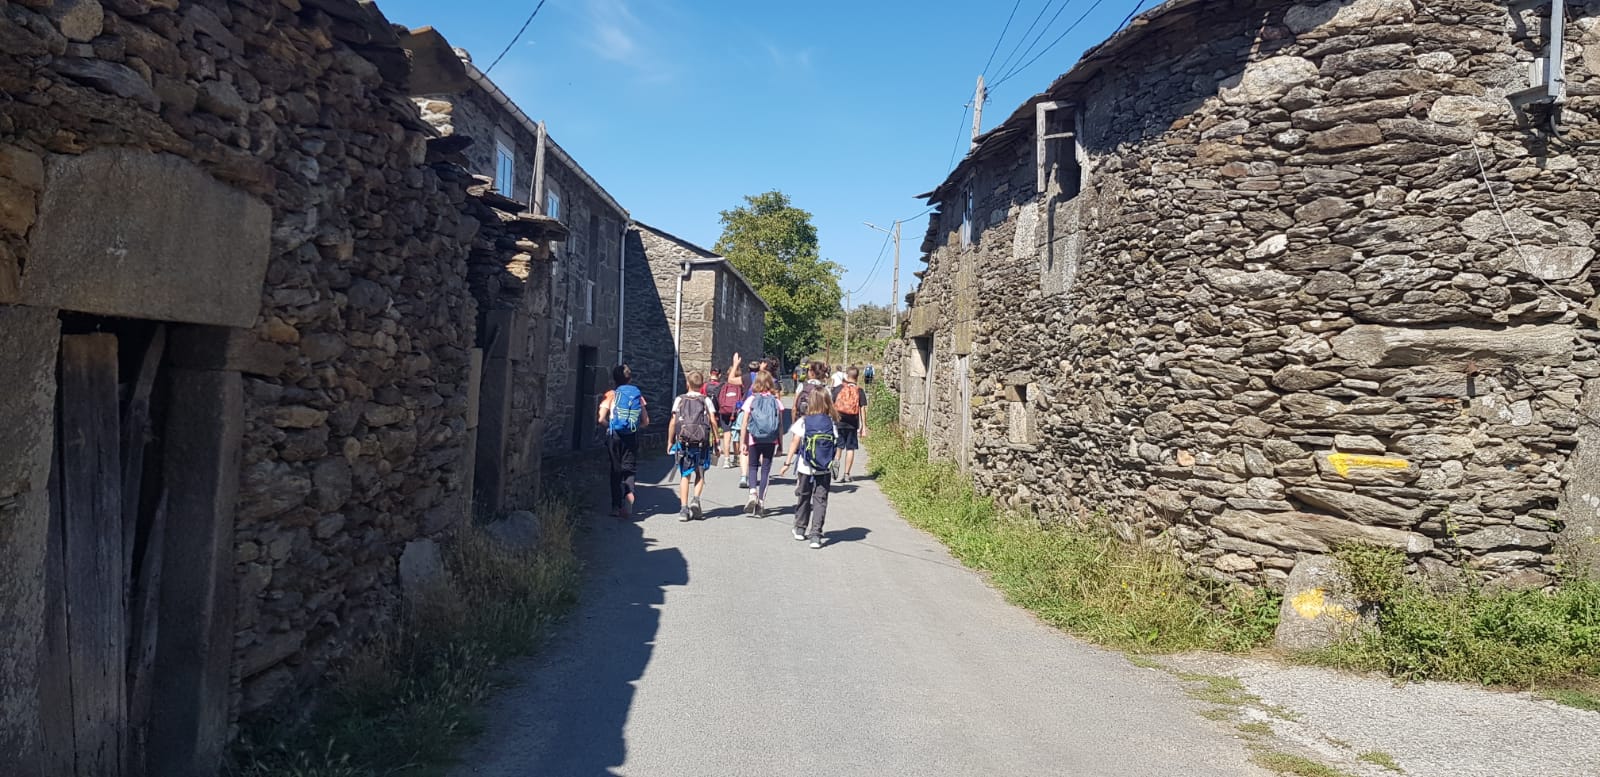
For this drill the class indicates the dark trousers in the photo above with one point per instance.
(761, 455)
(812, 509)
(624, 451)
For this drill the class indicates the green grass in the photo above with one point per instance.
(1381, 759)
(1081, 580)
(1288, 763)
(1573, 697)
(407, 702)
(1522, 639)
(1256, 730)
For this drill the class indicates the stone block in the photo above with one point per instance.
(28, 340)
(132, 233)
(1361, 509)
(518, 532)
(422, 572)
(1315, 533)
(1542, 345)
(1319, 608)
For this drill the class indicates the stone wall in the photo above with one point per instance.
(721, 314)
(353, 326)
(1280, 311)
(586, 263)
(652, 290)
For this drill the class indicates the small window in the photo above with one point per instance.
(966, 217)
(552, 203)
(505, 169)
(588, 302)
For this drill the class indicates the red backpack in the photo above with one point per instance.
(728, 398)
(849, 399)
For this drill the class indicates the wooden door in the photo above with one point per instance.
(86, 645)
(103, 558)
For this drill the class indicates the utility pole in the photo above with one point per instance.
(846, 329)
(894, 300)
(978, 99)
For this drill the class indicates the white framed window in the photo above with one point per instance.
(966, 216)
(505, 168)
(588, 302)
(552, 203)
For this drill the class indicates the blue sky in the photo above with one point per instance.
(681, 107)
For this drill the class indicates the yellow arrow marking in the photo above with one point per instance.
(1344, 462)
(1313, 604)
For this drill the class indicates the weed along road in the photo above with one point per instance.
(724, 647)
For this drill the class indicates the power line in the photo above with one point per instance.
(1001, 39)
(1131, 14)
(1043, 31)
(960, 125)
(883, 249)
(1053, 44)
(1025, 34)
(515, 39)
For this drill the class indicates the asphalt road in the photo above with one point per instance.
(723, 647)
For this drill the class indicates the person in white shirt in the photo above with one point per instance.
(813, 439)
(838, 378)
(691, 435)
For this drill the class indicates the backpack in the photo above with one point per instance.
(728, 399)
(803, 399)
(765, 418)
(694, 424)
(817, 446)
(627, 406)
(849, 400)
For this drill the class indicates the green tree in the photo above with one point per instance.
(774, 245)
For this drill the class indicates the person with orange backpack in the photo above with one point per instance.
(850, 402)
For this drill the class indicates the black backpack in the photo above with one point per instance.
(694, 423)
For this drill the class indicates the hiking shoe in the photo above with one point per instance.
(695, 512)
(799, 535)
(753, 507)
(816, 543)
(683, 515)
(744, 482)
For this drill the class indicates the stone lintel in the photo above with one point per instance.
(131, 233)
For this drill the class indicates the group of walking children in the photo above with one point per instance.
(739, 417)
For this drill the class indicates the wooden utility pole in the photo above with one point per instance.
(978, 99)
(894, 299)
(846, 361)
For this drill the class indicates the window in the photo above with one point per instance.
(966, 216)
(1057, 155)
(723, 304)
(505, 168)
(588, 302)
(552, 203)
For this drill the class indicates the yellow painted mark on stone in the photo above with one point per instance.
(1313, 604)
(1344, 462)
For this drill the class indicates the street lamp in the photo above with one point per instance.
(894, 298)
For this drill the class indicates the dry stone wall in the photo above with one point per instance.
(1284, 311)
(356, 356)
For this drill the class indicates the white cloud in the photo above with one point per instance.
(617, 34)
(790, 61)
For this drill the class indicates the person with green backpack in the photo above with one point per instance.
(761, 420)
(813, 441)
(623, 414)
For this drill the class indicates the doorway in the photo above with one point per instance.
(104, 548)
(583, 404)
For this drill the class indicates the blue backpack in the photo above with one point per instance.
(627, 406)
(765, 418)
(818, 444)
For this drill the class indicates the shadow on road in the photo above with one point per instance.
(852, 534)
(589, 707)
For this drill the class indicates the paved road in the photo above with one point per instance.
(723, 648)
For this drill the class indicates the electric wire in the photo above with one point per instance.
(516, 38)
(1053, 44)
(1002, 38)
(1043, 31)
(961, 125)
(1025, 34)
(1131, 14)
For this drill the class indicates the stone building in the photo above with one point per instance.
(688, 309)
(238, 335)
(587, 286)
(1259, 278)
